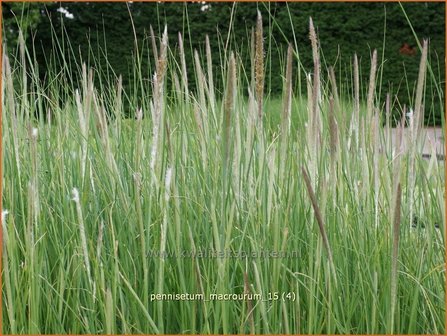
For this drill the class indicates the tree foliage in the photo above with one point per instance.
(104, 34)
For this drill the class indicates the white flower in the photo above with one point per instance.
(34, 132)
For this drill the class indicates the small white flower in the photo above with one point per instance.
(34, 132)
(75, 194)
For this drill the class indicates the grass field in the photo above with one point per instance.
(240, 214)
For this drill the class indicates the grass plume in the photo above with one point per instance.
(259, 65)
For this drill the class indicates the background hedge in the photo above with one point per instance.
(104, 30)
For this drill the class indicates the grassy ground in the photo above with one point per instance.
(301, 200)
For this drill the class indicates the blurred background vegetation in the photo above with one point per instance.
(101, 34)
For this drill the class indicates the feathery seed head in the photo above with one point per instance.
(75, 195)
(139, 114)
(259, 64)
(168, 182)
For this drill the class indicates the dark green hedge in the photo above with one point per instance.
(105, 30)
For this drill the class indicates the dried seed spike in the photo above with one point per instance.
(209, 64)
(313, 39)
(418, 110)
(231, 90)
(356, 116)
(400, 132)
(387, 121)
(376, 164)
(318, 215)
(139, 114)
(201, 81)
(372, 86)
(230, 97)
(316, 92)
(356, 86)
(333, 131)
(287, 107)
(334, 86)
(416, 120)
(333, 81)
(183, 65)
(252, 58)
(162, 60)
(198, 115)
(259, 64)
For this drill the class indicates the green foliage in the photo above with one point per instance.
(25, 15)
(103, 35)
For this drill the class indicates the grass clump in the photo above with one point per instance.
(197, 197)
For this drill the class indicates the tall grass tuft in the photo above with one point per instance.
(194, 194)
